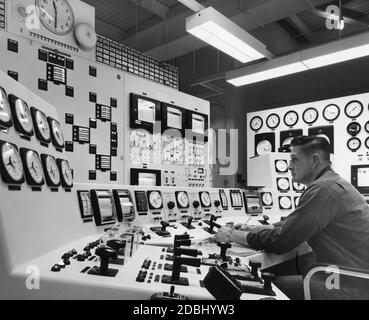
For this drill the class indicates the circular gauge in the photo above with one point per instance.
(11, 164)
(291, 118)
(353, 128)
(256, 123)
(66, 173)
(41, 125)
(367, 142)
(285, 203)
(57, 135)
(155, 200)
(354, 109)
(367, 127)
(297, 201)
(281, 165)
(182, 199)
(56, 16)
(267, 199)
(298, 186)
(283, 184)
(205, 199)
(263, 147)
(51, 170)
(5, 117)
(310, 115)
(273, 121)
(21, 116)
(354, 144)
(33, 167)
(331, 112)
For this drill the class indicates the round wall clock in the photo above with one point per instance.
(65, 173)
(11, 168)
(21, 116)
(32, 167)
(57, 136)
(51, 170)
(41, 125)
(5, 113)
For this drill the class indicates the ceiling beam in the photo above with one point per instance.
(153, 6)
(302, 28)
(169, 39)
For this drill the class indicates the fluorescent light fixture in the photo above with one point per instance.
(217, 30)
(324, 55)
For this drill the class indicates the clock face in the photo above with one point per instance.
(354, 109)
(256, 123)
(281, 165)
(155, 200)
(182, 199)
(367, 126)
(33, 167)
(205, 199)
(41, 124)
(291, 118)
(310, 115)
(51, 170)
(331, 112)
(267, 199)
(353, 128)
(354, 144)
(56, 15)
(298, 186)
(273, 121)
(11, 164)
(66, 173)
(367, 142)
(283, 184)
(57, 135)
(264, 147)
(285, 203)
(21, 116)
(5, 116)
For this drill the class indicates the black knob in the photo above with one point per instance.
(268, 278)
(116, 244)
(55, 268)
(105, 253)
(223, 249)
(171, 205)
(189, 221)
(172, 288)
(216, 203)
(74, 251)
(164, 225)
(81, 257)
(196, 204)
(255, 265)
(66, 256)
(266, 218)
(66, 262)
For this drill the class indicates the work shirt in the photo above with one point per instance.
(332, 216)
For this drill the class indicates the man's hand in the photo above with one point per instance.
(223, 234)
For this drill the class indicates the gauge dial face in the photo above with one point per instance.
(310, 115)
(353, 128)
(205, 199)
(182, 199)
(51, 170)
(22, 116)
(285, 203)
(267, 199)
(283, 184)
(331, 112)
(66, 173)
(223, 198)
(367, 126)
(354, 109)
(56, 15)
(5, 116)
(41, 125)
(34, 167)
(354, 144)
(155, 200)
(291, 118)
(298, 186)
(281, 165)
(264, 147)
(56, 133)
(256, 123)
(273, 121)
(12, 163)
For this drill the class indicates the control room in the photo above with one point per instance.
(184, 150)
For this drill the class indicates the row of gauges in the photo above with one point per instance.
(330, 113)
(354, 143)
(25, 164)
(285, 202)
(28, 121)
(283, 184)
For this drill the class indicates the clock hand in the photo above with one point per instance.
(56, 15)
(10, 163)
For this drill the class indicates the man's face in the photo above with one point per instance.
(301, 166)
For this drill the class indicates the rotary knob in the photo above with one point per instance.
(171, 205)
(196, 204)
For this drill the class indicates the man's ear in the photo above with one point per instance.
(316, 159)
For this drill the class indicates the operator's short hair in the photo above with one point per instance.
(311, 144)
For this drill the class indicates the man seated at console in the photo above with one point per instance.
(332, 217)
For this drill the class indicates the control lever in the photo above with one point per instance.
(176, 270)
(255, 265)
(223, 250)
(212, 224)
(117, 245)
(168, 295)
(188, 224)
(265, 220)
(179, 242)
(105, 253)
(258, 288)
(178, 251)
(163, 230)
